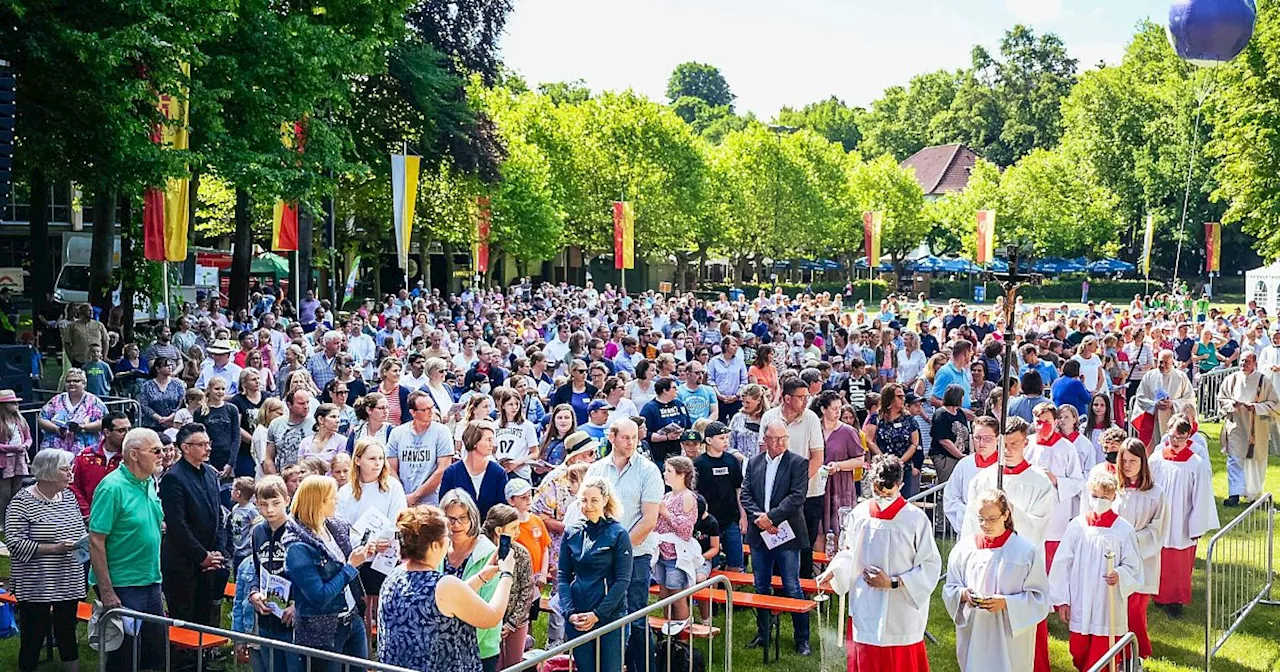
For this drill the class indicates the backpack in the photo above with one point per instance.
(8, 624)
(679, 651)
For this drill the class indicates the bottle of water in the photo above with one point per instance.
(831, 544)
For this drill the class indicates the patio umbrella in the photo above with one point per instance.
(1111, 266)
(929, 264)
(1056, 266)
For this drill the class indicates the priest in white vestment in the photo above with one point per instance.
(1246, 401)
(996, 592)
(1161, 393)
(1269, 365)
(888, 565)
(1097, 568)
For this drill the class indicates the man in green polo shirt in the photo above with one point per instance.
(125, 524)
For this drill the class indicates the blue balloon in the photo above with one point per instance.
(1211, 32)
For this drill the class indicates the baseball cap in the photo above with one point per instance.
(913, 398)
(599, 405)
(517, 487)
(691, 435)
(716, 428)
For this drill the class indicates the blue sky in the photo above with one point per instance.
(791, 52)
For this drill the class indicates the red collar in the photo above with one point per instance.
(1180, 456)
(1105, 519)
(1017, 469)
(984, 463)
(1072, 437)
(1053, 438)
(889, 513)
(1195, 428)
(985, 544)
(1111, 469)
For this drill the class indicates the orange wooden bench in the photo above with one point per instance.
(692, 630)
(748, 579)
(181, 637)
(819, 558)
(775, 605)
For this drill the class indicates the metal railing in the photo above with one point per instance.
(686, 595)
(307, 654)
(31, 415)
(930, 501)
(1238, 573)
(1126, 646)
(1206, 388)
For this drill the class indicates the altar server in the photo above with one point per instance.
(955, 494)
(1187, 483)
(1059, 459)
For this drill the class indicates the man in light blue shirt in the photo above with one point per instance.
(419, 451)
(956, 372)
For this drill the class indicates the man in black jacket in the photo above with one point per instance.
(773, 496)
(193, 555)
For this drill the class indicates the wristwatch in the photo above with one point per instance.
(894, 582)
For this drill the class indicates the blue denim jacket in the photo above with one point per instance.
(318, 577)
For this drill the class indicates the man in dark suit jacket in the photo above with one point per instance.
(194, 553)
(773, 495)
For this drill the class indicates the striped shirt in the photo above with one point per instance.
(31, 521)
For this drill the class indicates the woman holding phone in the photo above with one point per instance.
(502, 526)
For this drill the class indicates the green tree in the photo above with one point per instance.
(1054, 207)
(899, 122)
(882, 185)
(700, 81)
(830, 118)
(1031, 79)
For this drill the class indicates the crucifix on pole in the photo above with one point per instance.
(1010, 282)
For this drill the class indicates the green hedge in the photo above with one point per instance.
(1066, 288)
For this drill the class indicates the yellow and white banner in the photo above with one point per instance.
(404, 195)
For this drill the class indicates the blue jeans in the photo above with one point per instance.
(268, 659)
(584, 657)
(910, 482)
(731, 546)
(639, 646)
(787, 561)
(348, 640)
(152, 637)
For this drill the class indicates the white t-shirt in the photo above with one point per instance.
(515, 441)
(1091, 370)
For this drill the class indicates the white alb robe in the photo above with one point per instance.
(1031, 495)
(1188, 489)
(1176, 385)
(901, 546)
(1268, 359)
(1078, 570)
(1148, 512)
(955, 494)
(1246, 472)
(1086, 452)
(1004, 641)
(1061, 458)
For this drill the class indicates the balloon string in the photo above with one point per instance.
(1201, 95)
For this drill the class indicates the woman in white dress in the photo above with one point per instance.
(996, 591)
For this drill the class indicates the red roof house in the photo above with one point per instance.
(942, 169)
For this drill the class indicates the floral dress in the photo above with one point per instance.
(412, 633)
(60, 411)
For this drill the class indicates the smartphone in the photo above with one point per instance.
(504, 546)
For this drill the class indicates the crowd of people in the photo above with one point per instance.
(408, 480)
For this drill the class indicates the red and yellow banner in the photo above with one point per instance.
(1213, 247)
(985, 251)
(284, 222)
(1148, 239)
(484, 221)
(166, 213)
(872, 224)
(624, 232)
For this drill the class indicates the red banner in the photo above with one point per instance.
(284, 225)
(483, 222)
(1213, 247)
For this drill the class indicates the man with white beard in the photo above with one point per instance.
(1162, 392)
(1246, 401)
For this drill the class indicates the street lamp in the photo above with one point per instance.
(778, 131)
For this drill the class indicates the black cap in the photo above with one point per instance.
(715, 428)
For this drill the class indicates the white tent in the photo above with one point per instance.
(1263, 285)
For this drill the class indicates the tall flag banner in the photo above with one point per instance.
(985, 251)
(872, 224)
(284, 220)
(166, 212)
(352, 277)
(404, 196)
(1146, 243)
(624, 235)
(484, 221)
(1213, 247)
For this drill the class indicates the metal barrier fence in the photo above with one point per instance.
(686, 595)
(930, 501)
(1126, 646)
(308, 654)
(1239, 564)
(1206, 389)
(31, 415)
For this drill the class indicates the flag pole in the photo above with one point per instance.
(164, 268)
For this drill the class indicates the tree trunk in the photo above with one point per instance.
(682, 267)
(449, 266)
(375, 254)
(702, 267)
(41, 289)
(129, 238)
(241, 251)
(104, 220)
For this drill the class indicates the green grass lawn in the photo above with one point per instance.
(1178, 643)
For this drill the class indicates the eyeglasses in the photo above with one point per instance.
(119, 430)
(458, 520)
(198, 444)
(990, 521)
(339, 391)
